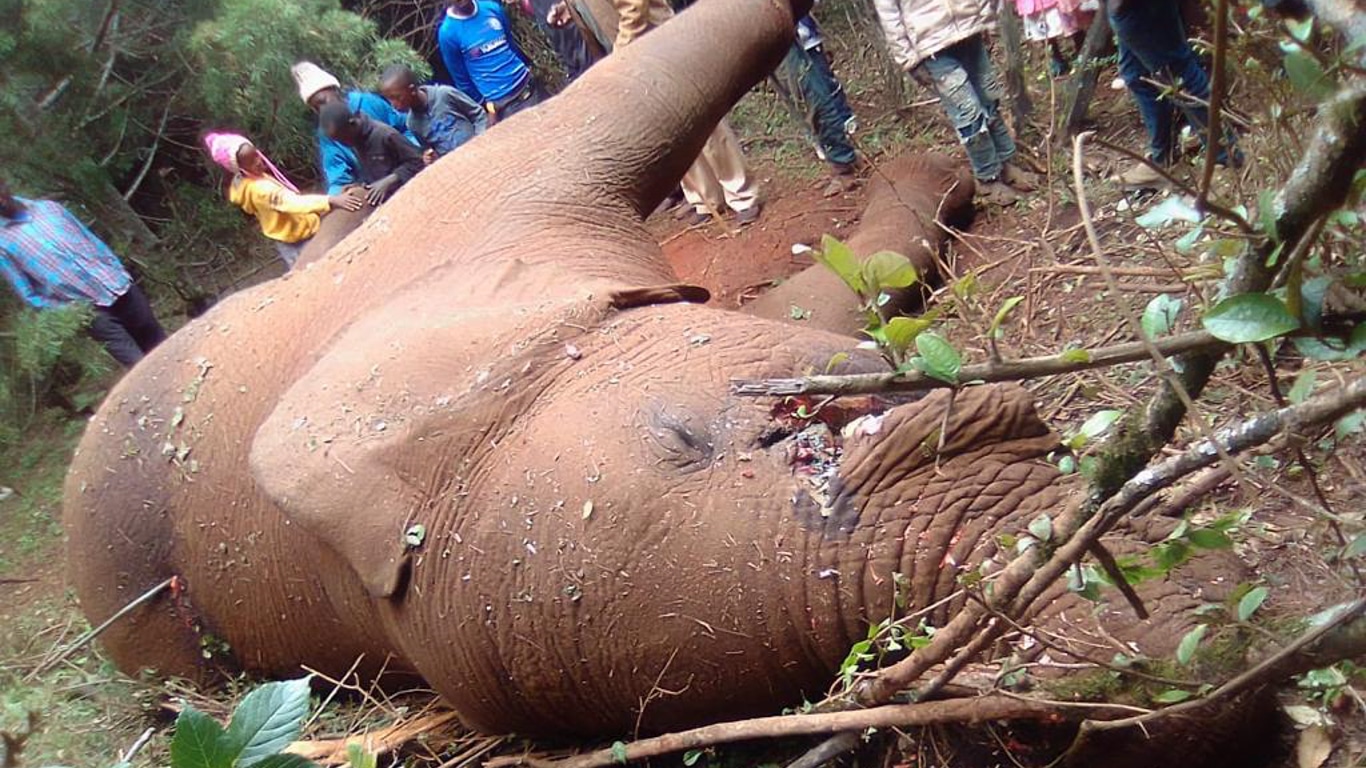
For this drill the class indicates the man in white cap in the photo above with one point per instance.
(318, 88)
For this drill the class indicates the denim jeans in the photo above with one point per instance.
(809, 71)
(127, 328)
(1153, 45)
(970, 93)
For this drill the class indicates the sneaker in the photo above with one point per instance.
(1142, 176)
(694, 218)
(749, 215)
(851, 125)
(1019, 178)
(997, 193)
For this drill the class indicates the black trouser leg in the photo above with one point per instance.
(127, 328)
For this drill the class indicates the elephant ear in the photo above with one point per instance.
(370, 450)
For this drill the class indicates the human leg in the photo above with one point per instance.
(127, 328)
(727, 162)
(987, 84)
(960, 103)
(138, 317)
(830, 111)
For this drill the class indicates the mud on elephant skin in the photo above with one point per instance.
(485, 438)
(910, 201)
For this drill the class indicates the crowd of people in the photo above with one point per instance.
(371, 144)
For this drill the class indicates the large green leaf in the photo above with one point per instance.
(838, 258)
(995, 330)
(1185, 650)
(1306, 75)
(1159, 317)
(1249, 317)
(886, 269)
(200, 742)
(938, 358)
(268, 719)
(901, 332)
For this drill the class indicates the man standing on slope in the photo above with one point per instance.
(476, 45)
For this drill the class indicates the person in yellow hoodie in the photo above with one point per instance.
(288, 217)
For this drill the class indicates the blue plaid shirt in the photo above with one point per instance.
(52, 259)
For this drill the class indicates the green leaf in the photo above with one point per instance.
(838, 258)
(1208, 538)
(415, 535)
(1076, 356)
(1307, 75)
(1251, 602)
(1160, 315)
(200, 742)
(285, 760)
(1348, 424)
(1185, 650)
(359, 757)
(1356, 343)
(1176, 208)
(1325, 348)
(1249, 317)
(939, 358)
(1098, 423)
(837, 359)
(1266, 218)
(268, 719)
(1067, 465)
(965, 286)
(886, 269)
(1001, 313)
(1304, 386)
(1356, 548)
(619, 752)
(1172, 696)
(1300, 29)
(691, 757)
(901, 332)
(1041, 527)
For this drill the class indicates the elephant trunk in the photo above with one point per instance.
(639, 118)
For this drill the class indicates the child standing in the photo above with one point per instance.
(1052, 20)
(286, 216)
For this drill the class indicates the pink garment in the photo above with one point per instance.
(223, 148)
(1031, 7)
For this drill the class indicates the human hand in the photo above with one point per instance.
(377, 193)
(429, 157)
(348, 200)
(559, 15)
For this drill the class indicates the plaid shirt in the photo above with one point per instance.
(51, 259)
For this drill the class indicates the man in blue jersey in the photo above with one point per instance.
(318, 88)
(477, 46)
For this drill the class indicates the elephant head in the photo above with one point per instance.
(488, 440)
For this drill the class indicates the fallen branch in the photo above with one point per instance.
(97, 631)
(377, 742)
(1010, 370)
(991, 706)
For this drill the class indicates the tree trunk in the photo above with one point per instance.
(1011, 45)
(1082, 87)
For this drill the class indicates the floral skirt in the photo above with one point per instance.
(1061, 20)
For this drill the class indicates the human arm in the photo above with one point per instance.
(407, 161)
(20, 281)
(339, 164)
(470, 110)
(898, 35)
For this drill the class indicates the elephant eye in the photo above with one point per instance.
(678, 441)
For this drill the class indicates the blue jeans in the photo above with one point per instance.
(825, 103)
(1153, 45)
(970, 93)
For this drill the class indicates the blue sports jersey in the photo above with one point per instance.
(481, 55)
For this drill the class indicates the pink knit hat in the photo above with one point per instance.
(224, 147)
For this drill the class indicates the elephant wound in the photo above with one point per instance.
(823, 500)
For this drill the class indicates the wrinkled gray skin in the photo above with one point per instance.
(497, 356)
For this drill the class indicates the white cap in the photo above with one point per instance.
(311, 78)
